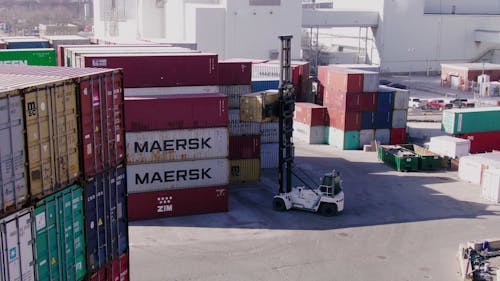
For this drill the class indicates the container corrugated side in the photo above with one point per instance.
(366, 137)
(449, 146)
(401, 98)
(269, 132)
(383, 119)
(244, 170)
(45, 57)
(17, 254)
(471, 120)
(12, 152)
(59, 224)
(118, 269)
(263, 85)
(235, 72)
(269, 156)
(238, 128)
(244, 147)
(399, 118)
(234, 93)
(175, 175)
(482, 142)
(164, 91)
(398, 136)
(309, 134)
(383, 136)
(346, 140)
(310, 114)
(259, 107)
(385, 99)
(168, 203)
(177, 145)
(491, 185)
(370, 81)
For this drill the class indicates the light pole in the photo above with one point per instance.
(410, 54)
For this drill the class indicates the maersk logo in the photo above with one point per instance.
(173, 176)
(164, 204)
(173, 145)
(14, 62)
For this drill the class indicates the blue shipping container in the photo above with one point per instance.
(383, 120)
(385, 101)
(24, 44)
(262, 85)
(106, 217)
(367, 120)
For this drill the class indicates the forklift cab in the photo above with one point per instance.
(331, 184)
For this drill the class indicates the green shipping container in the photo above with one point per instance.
(347, 140)
(471, 120)
(59, 236)
(44, 57)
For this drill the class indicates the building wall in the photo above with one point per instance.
(151, 19)
(462, 6)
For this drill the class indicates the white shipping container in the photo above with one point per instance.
(12, 152)
(269, 132)
(366, 137)
(383, 136)
(399, 118)
(176, 175)
(401, 98)
(17, 247)
(370, 82)
(177, 145)
(309, 134)
(269, 153)
(265, 71)
(237, 128)
(491, 185)
(234, 92)
(471, 168)
(164, 91)
(449, 146)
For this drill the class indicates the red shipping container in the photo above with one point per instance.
(244, 147)
(160, 70)
(311, 114)
(345, 121)
(346, 80)
(118, 269)
(99, 275)
(320, 94)
(482, 142)
(235, 73)
(179, 202)
(3, 45)
(323, 75)
(369, 101)
(398, 136)
(342, 101)
(172, 112)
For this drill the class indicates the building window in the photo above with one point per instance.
(265, 2)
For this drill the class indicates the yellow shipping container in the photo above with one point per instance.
(259, 107)
(244, 170)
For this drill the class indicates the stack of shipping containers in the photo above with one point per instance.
(73, 147)
(309, 123)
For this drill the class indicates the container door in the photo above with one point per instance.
(454, 82)
(47, 244)
(121, 205)
(95, 226)
(111, 195)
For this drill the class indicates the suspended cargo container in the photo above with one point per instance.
(180, 202)
(244, 170)
(264, 85)
(368, 101)
(399, 118)
(105, 217)
(342, 101)
(234, 93)
(118, 269)
(401, 98)
(176, 175)
(163, 91)
(269, 132)
(13, 182)
(345, 121)
(45, 57)
(60, 236)
(269, 155)
(398, 136)
(235, 73)
(346, 140)
(367, 120)
(471, 120)
(449, 146)
(160, 70)
(383, 136)
(383, 120)
(176, 145)
(310, 114)
(482, 142)
(238, 128)
(17, 254)
(491, 185)
(177, 112)
(309, 134)
(366, 137)
(385, 100)
(244, 147)
(259, 107)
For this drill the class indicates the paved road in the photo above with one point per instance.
(396, 226)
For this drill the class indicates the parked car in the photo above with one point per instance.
(415, 103)
(438, 104)
(461, 103)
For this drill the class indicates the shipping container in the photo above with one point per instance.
(176, 175)
(60, 236)
(401, 98)
(17, 253)
(482, 142)
(263, 85)
(177, 112)
(237, 128)
(162, 91)
(244, 170)
(383, 136)
(234, 93)
(449, 146)
(309, 134)
(3, 45)
(471, 120)
(269, 132)
(398, 136)
(345, 121)
(160, 70)
(269, 155)
(401, 159)
(491, 185)
(259, 107)
(118, 269)
(45, 57)
(310, 114)
(385, 99)
(235, 73)
(26, 43)
(472, 167)
(383, 120)
(369, 101)
(370, 81)
(100, 275)
(399, 118)
(244, 147)
(179, 202)
(13, 182)
(343, 80)
(176, 145)
(346, 140)
(367, 120)
(342, 101)
(105, 217)
(366, 137)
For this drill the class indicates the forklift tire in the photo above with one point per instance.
(279, 205)
(328, 209)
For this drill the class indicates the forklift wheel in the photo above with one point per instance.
(279, 205)
(328, 209)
